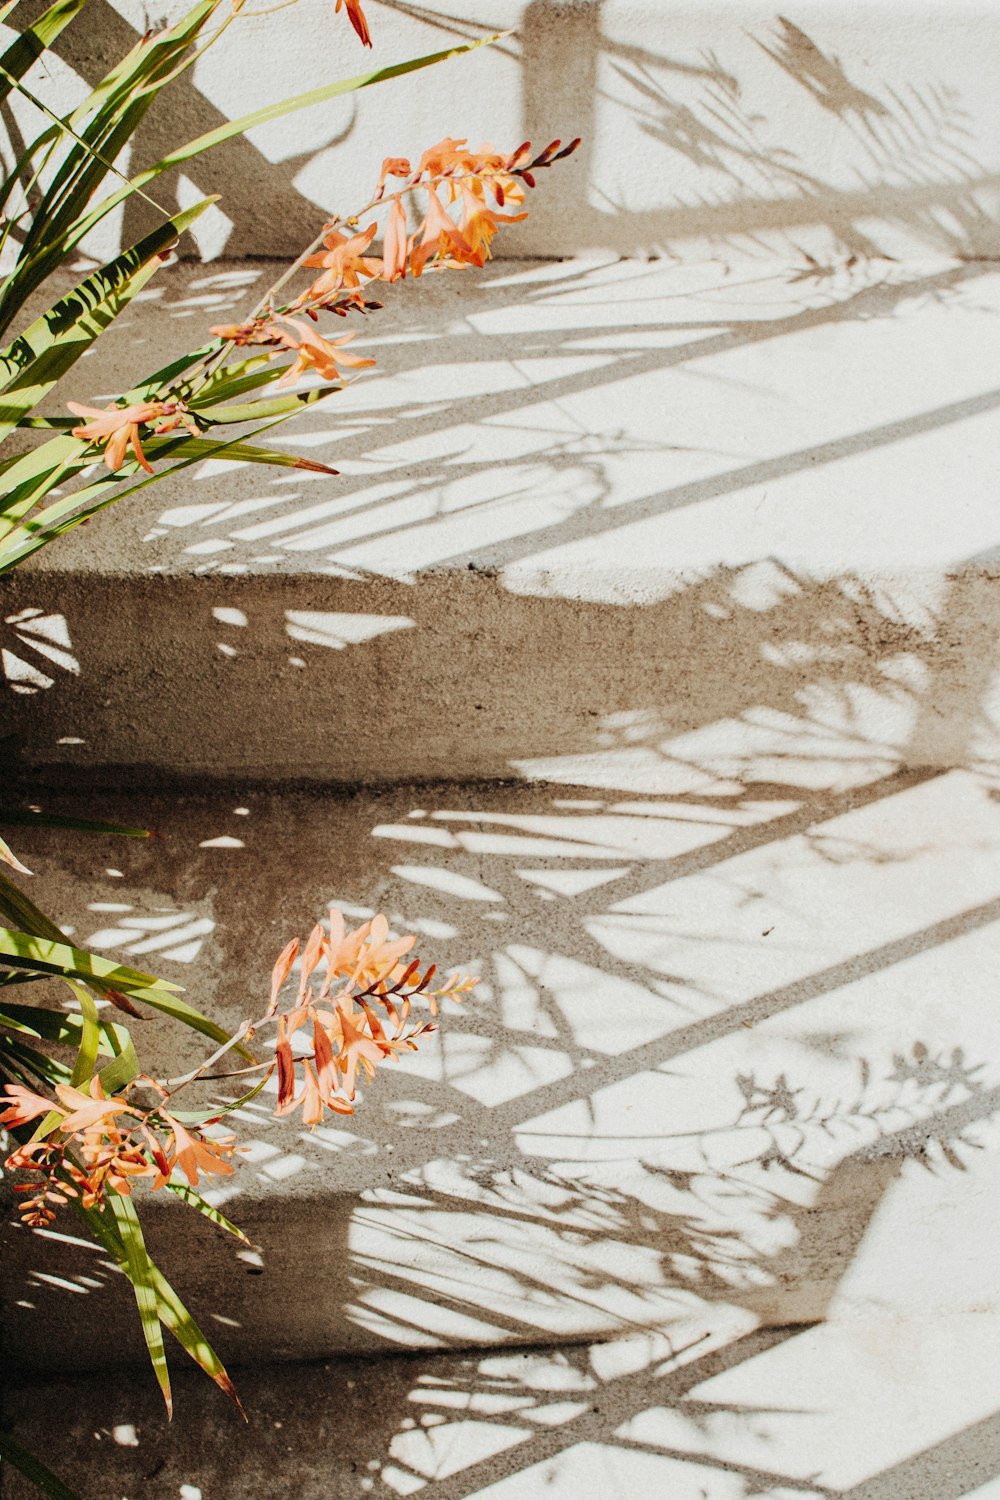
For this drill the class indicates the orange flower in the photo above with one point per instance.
(356, 1048)
(23, 1105)
(118, 427)
(312, 1104)
(356, 16)
(375, 983)
(479, 223)
(111, 1160)
(344, 948)
(256, 331)
(343, 263)
(193, 1153)
(312, 957)
(85, 1110)
(312, 351)
(445, 157)
(396, 243)
(286, 1069)
(393, 166)
(380, 953)
(280, 972)
(442, 240)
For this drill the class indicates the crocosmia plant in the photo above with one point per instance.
(90, 1130)
(340, 1008)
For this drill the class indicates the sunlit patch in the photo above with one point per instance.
(489, 1072)
(39, 644)
(448, 882)
(319, 627)
(571, 882)
(166, 931)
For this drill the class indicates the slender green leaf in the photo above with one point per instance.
(30, 819)
(119, 1073)
(42, 1022)
(115, 110)
(65, 1027)
(213, 1111)
(229, 380)
(140, 1272)
(46, 957)
(171, 1310)
(195, 1200)
(35, 473)
(247, 453)
(40, 356)
(33, 1469)
(273, 406)
(56, 519)
(26, 917)
(33, 41)
(90, 1038)
(166, 377)
(49, 956)
(48, 1025)
(19, 910)
(237, 127)
(16, 1054)
(49, 424)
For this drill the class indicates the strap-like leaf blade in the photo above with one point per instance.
(139, 1269)
(60, 957)
(32, 42)
(237, 127)
(33, 1469)
(37, 358)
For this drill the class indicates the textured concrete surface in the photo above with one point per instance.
(735, 1048)
(580, 504)
(813, 1412)
(844, 129)
(693, 562)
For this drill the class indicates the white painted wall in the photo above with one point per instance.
(842, 129)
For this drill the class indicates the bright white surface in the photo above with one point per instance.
(844, 129)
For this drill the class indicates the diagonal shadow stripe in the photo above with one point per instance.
(766, 471)
(259, 195)
(760, 1008)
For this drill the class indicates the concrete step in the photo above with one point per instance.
(581, 506)
(855, 1410)
(842, 129)
(733, 1065)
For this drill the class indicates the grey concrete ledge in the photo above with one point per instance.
(734, 1058)
(582, 506)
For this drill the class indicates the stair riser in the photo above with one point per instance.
(470, 681)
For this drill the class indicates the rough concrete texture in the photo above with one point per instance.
(580, 504)
(693, 562)
(850, 129)
(812, 1412)
(707, 1170)
(720, 1031)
